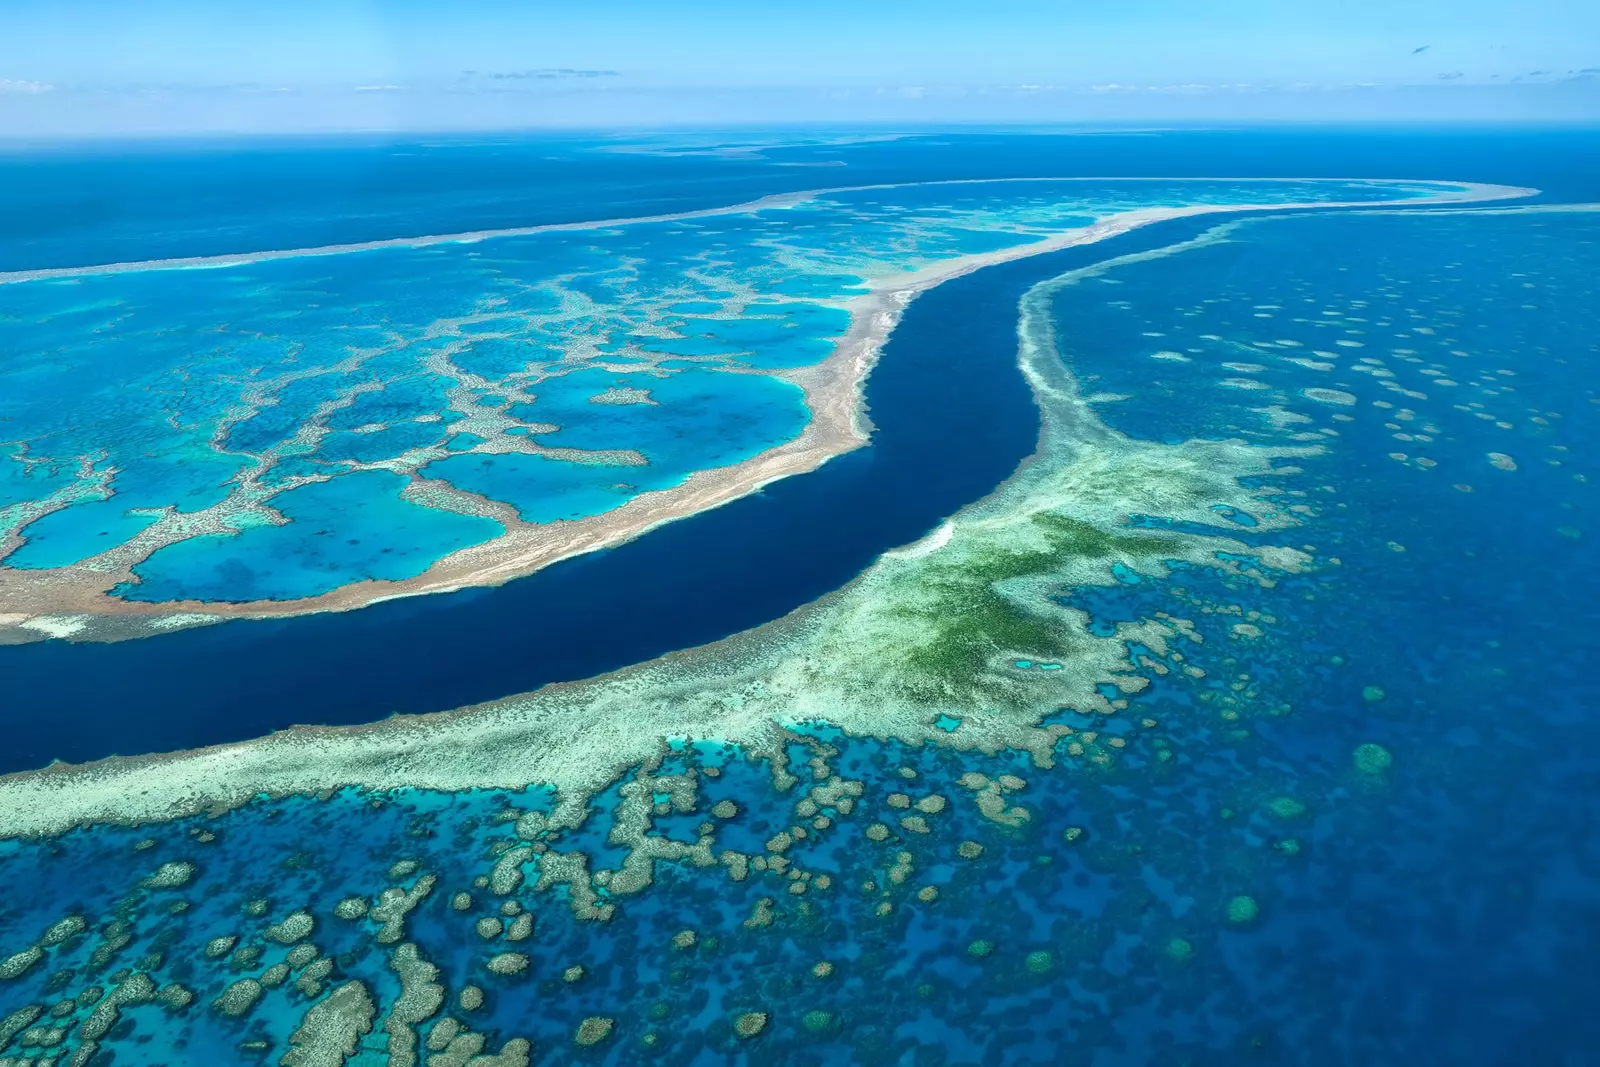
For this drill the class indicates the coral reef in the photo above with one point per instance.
(332, 1028)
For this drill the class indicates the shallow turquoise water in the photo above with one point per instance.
(69, 536)
(311, 553)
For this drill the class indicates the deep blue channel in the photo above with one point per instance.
(953, 419)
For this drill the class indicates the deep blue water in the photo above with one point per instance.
(72, 204)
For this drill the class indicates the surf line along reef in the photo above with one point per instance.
(961, 642)
(566, 389)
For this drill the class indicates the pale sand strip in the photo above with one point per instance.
(571, 736)
(68, 604)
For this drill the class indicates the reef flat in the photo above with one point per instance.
(1132, 758)
(433, 455)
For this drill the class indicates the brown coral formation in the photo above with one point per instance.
(296, 927)
(421, 996)
(507, 964)
(592, 1031)
(331, 1030)
(239, 997)
(991, 797)
(394, 904)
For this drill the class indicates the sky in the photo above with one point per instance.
(92, 68)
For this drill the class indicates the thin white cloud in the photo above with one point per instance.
(23, 88)
(1184, 88)
(379, 88)
(546, 74)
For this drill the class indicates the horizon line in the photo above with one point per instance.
(1154, 124)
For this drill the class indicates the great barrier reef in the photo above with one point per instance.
(978, 596)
